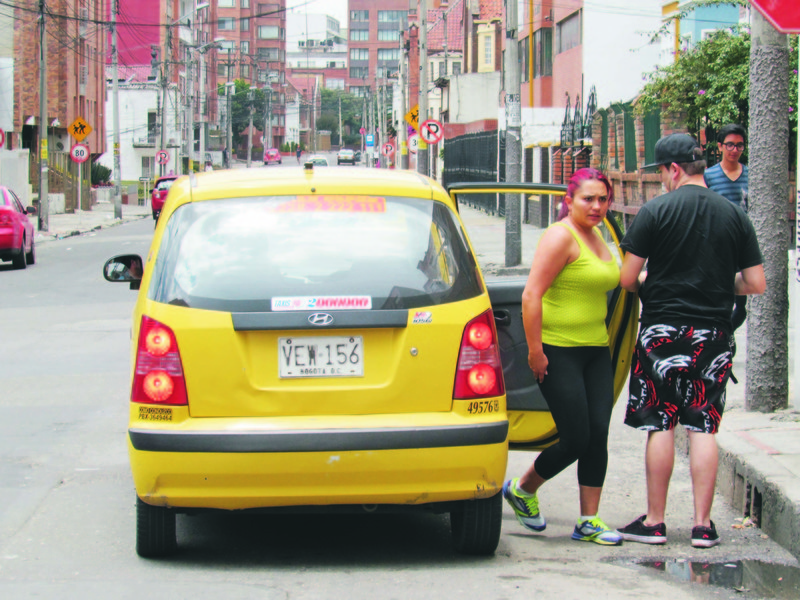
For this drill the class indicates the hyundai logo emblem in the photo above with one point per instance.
(320, 319)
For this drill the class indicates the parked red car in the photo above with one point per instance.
(16, 230)
(160, 191)
(272, 156)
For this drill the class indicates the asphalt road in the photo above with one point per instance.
(67, 509)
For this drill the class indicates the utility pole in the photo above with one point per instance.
(403, 128)
(513, 137)
(115, 108)
(341, 145)
(422, 149)
(364, 123)
(268, 117)
(44, 199)
(164, 83)
(203, 113)
(190, 116)
(372, 129)
(767, 385)
(250, 95)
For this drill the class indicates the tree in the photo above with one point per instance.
(240, 109)
(767, 386)
(352, 107)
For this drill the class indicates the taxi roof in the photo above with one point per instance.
(272, 181)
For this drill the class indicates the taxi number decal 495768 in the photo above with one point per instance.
(479, 407)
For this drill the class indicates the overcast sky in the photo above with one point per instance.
(335, 8)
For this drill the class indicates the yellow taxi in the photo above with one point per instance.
(317, 338)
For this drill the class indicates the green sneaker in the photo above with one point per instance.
(526, 509)
(594, 530)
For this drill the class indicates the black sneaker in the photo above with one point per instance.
(705, 537)
(645, 534)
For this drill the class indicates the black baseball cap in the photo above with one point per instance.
(676, 148)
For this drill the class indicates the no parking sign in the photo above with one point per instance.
(431, 131)
(387, 149)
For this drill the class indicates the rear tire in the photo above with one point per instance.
(30, 257)
(476, 525)
(155, 530)
(19, 260)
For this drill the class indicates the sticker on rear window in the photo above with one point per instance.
(422, 317)
(322, 303)
(334, 204)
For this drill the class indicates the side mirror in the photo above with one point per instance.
(125, 268)
(31, 210)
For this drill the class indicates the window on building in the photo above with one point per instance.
(392, 16)
(359, 90)
(359, 35)
(359, 54)
(457, 68)
(226, 3)
(359, 15)
(226, 24)
(245, 3)
(543, 52)
(222, 70)
(388, 35)
(524, 48)
(268, 32)
(245, 47)
(487, 54)
(244, 71)
(388, 53)
(442, 72)
(334, 84)
(270, 54)
(359, 72)
(244, 24)
(227, 47)
(568, 33)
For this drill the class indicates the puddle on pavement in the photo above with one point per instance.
(752, 577)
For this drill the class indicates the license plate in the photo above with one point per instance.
(321, 357)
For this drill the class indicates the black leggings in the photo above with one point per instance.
(579, 389)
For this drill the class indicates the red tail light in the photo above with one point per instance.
(5, 218)
(158, 377)
(479, 372)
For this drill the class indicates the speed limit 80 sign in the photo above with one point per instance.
(79, 153)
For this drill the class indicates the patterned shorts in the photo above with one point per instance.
(678, 374)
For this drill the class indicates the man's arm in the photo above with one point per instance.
(750, 281)
(629, 274)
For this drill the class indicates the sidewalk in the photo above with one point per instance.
(759, 472)
(759, 454)
(101, 216)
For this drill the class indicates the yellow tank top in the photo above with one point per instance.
(574, 307)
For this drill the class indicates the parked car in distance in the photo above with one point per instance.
(159, 194)
(346, 156)
(17, 242)
(272, 155)
(317, 160)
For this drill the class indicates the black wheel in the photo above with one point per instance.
(476, 524)
(19, 260)
(155, 530)
(30, 257)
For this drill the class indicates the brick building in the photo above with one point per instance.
(374, 41)
(75, 75)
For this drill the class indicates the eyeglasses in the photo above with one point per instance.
(732, 146)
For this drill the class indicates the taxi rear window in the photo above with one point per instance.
(258, 254)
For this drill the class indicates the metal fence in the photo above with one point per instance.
(475, 158)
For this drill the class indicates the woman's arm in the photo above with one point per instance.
(556, 249)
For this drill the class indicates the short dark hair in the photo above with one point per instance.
(732, 129)
(697, 167)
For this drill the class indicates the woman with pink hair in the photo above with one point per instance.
(564, 311)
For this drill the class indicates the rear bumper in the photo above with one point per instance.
(242, 469)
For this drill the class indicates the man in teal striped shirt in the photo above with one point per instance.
(729, 177)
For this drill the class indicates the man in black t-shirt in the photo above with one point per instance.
(700, 250)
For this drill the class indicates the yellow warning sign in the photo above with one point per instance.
(412, 117)
(80, 129)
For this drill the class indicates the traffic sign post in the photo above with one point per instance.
(412, 118)
(80, 129)
(431, 131)
(413, 143)
(80, 154)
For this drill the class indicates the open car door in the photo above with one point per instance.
(531, 425)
